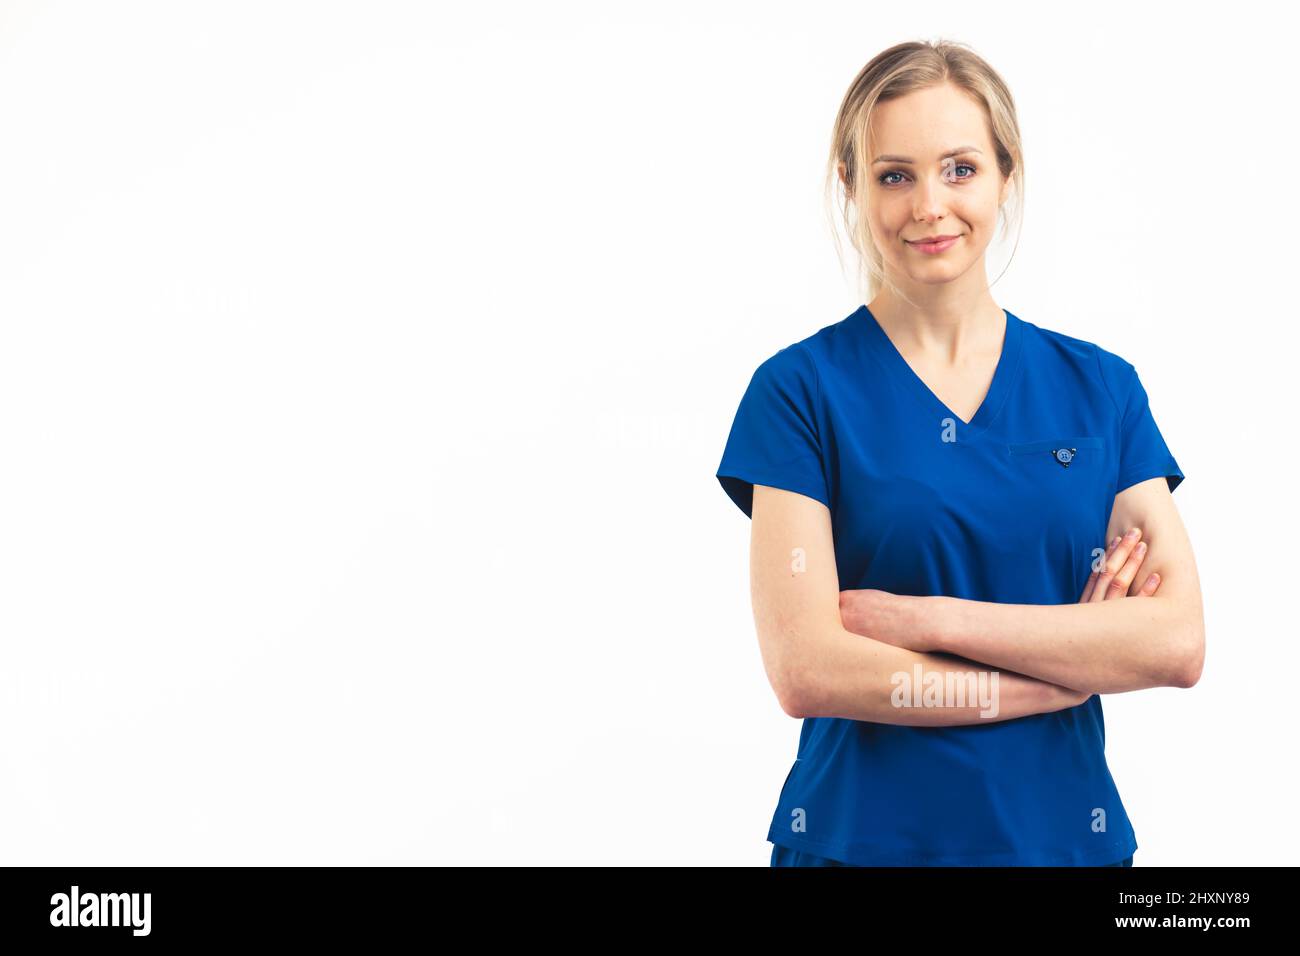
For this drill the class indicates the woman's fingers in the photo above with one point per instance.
(1123, 579)
(1092, 579)
(1148, 589)
(1115, 562)
(1105, 585)
(1096, 573)
(1122, 563)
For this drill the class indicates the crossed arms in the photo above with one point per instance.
(828, 653)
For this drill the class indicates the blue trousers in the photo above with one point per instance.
(784, 856)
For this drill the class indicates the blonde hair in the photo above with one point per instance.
(895, 72)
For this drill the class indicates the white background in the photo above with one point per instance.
(365, 368)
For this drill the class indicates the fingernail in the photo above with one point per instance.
(1142, 546)
(1132, 533)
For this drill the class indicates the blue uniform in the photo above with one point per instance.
(1011, 507)
(784, 856)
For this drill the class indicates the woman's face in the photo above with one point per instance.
(933, 172)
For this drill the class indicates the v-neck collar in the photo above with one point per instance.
(1003, 376)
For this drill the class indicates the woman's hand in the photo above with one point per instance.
(1111, 580)
(1123, 559)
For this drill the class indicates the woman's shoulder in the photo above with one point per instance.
(1089, 358)
(806, 355)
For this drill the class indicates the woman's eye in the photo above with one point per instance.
(884, 179)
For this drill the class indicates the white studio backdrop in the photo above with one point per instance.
(365, 367)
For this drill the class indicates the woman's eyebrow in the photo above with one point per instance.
(906, 159)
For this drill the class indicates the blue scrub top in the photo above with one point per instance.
(1010, 511)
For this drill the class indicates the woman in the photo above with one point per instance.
(939, 494)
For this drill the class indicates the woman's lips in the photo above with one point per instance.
(934, 248)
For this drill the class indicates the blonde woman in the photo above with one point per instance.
(962, 525)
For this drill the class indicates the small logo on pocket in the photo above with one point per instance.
(1064, 456)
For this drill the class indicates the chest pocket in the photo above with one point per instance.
(1061, 488)
(1078, 451)
(1061, 479)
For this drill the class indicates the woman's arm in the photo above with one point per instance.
(1101, 647)
(820, 669)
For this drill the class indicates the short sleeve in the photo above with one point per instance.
(1143, 453)
(774, 439)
